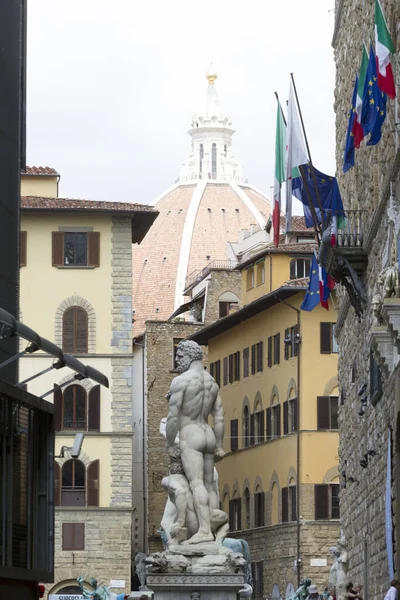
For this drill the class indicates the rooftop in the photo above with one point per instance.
(43, 171)
(297, 248)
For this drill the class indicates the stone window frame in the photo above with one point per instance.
(58, 321)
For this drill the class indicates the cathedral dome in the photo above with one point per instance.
(198, 216)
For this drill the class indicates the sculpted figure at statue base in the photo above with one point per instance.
(101, 592)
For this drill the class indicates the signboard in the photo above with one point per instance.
(318, 562)
(117, 583)
(65, 597)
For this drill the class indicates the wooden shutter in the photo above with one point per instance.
(295, 414)
(212, 369)
(231, 515)
(57, 399)
(270, 351)
(322, 501)
(285, 418)
(293, 502)
(239, 513)
(93, 483)
(296, 331)
(57, 248)
(325, 337)
(237, 366)
(277, 349)
(231, 357)
(81, 330)
(269, 423)
(94, 249)
(262, 426)
(226, 370)
(285, 507)
(234, 434)
(68, 336)
(68, 536)
(218, 372)
(252, 429)
(278, 420)
(260, 356)
(253, 359)
(259, 509)
(79, 536)
(94, 409)
(323, 412)
(57, 484)
(286, 346)
(246, 362)
(22, 248)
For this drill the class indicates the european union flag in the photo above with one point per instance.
(329, 195)
(350, 150)
(312, 297)
(373, 112)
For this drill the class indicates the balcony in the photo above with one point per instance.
(196, 276)
(349, 252)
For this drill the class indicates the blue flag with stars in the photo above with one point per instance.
(374, 103)
(312, 297)
(350, 150)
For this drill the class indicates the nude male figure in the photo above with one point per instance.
(193, 397)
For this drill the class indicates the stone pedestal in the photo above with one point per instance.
(185, 586)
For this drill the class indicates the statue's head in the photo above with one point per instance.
(187, 352)
(93, 582)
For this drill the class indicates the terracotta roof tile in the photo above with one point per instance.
(49, 171)
(298, 248)
(298, 224)
(36, 202)
(298, 283)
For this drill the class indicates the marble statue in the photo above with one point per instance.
(389, 280)
(340, 567)
(101, 592)
(377, 309)
(334, 552)
(193, 397)
(140, 569)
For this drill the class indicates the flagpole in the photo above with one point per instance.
(309, 156)
(280, 106)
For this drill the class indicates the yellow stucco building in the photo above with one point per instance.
(277, 370)
(76, 289)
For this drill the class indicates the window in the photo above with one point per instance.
(252, 430)
(22, 248)
(289, 506)
(246, 427)
(225, 149)
(215, 371)
(175, 344)
(75, 330)
(73, 410)
(290, 416)
(259, 509)
(327, 412)
(250, 278)
(299, 268)
(260, 272)
(226, 307)
(247, 508)
(246, 362)
(235, 514)
(292, 348)
(276, 344)
(214, 161)
(76, 249)
(273, 422)
(257, 572)
(327, 338)
(375, 380)
(201, 159)
(257, 358)
(226, 370)
(234, 367)
(73, 536)
(259, 426)
(76, 486)
(234, 434)
(327, 501)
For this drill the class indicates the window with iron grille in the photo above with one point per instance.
(235, 514)
(75, 409)
(289, 503)
(75, 330)
(273, 422)
(74, 485)
(290, 416)
(327, 501)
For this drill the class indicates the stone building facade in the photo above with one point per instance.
(368, 357)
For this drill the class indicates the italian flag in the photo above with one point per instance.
(280, 146)
(358, 130)
(384, 46)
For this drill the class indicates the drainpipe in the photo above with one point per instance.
(298, 545)
(144, 454)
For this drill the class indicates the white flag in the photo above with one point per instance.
(296, 152)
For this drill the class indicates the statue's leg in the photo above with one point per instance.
(209, 481)
(193, 465)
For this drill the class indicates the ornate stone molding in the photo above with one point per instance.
(187, 580)
(391, 315)
(58, 321)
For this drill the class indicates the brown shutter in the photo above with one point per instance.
(22, 248)
(79, 536)
(252, 429)
(278, 420)
(237, 366)
(262, 513)
(231, 514)
(253, 359)
(260, 356)
(325, 337)
(94, 249)
(57, 248)
(293, 501)
(218, 373)
(277, 348)
(285, 505)
(262, 427)
(57, 399)
(93, 483)
(231, 357)
(68, 536)
(68, 330)
(285, 418)
(270, 351)
(57, 484)
(321, 501)
(323, 412)
(81, 330)
(226, 370)
(269, 423)
(239, 509)
(94, 409)
(295, 415)
(234, 434)
(286, 346)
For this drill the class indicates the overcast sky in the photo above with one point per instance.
(112, 86)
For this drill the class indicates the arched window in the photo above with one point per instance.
(73, 488)
(299, 268)
(246, 426)
(201, 159)
(75, 409)
(214, 161)
(274, 419)
(259, 508)
(259, 423)
(75, 330)
(235, 513)
(250, 278)
(247, 508)
(275, 505)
